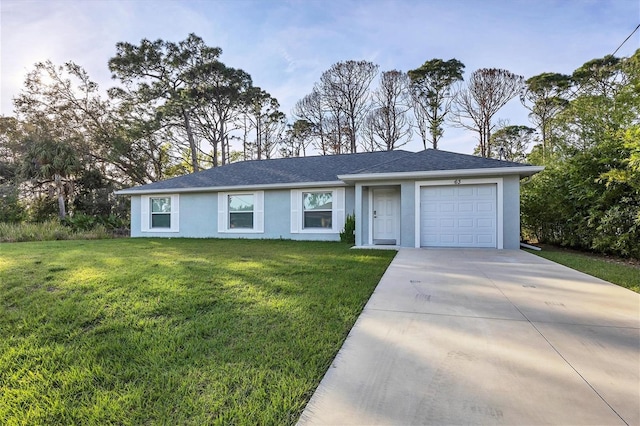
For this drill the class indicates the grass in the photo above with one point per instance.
(622, 274)
(48, 231)
(173, 331)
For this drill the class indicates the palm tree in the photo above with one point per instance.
(52, 161)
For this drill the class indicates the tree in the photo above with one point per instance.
(65, 119)
(345, 89)
(11, 151)
(511, 143)
(160, 73)
(50, 161)
(11, 148)
(262, 115)
(67, 104)
(588, 196)
(474, 106)
(387, 126)
(601, 76)
(432, 93)
(140, 146)
(221, 94)
(297, 138)
(545, 95)
(310, 109)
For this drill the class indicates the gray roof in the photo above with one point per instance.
(327, 168)
(433, 159)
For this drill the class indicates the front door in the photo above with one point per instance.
(386, 227)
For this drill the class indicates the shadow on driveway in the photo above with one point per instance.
(453, 336)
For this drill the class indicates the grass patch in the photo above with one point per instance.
(174, 331)
(622, 274)
(48, 231)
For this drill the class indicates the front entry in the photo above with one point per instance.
(386, 208)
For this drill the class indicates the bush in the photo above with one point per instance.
(348, 234)
(84, 222)
(43, 209)
(11, 209)
(579, 202)
(80, 222)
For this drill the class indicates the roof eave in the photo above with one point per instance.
(523, 171)
(131, 191)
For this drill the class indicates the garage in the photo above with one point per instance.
(458, 216)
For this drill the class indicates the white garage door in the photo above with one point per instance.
(458, 216)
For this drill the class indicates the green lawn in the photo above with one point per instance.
(624, 275)
(173, 331)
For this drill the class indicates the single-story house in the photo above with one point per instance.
(430, 198)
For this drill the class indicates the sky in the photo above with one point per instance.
(285, 45)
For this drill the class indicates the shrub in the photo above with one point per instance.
(43, 209)
(11, 209)
(80, 222)
(348, 234)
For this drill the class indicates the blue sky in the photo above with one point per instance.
(285, 45)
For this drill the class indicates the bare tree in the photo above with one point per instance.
(345, 91)
(387, 126)
(474, 106)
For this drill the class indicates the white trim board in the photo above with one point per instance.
(239, 188)
(500, 171)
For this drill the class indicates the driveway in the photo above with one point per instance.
(456, 336)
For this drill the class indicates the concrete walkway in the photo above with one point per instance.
(456, 336)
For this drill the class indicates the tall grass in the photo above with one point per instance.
(48, 231)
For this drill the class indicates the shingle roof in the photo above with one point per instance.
(433, 159)
(323, 169)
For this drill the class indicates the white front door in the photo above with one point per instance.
(386, 227)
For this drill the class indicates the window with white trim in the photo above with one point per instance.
(160, 213)
(317, 210)
(241, 212)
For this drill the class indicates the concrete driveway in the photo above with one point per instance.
(456, 336)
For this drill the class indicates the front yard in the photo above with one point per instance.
(159, 331)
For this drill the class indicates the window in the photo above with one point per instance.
(317, 210)
(160, 213)
(240, 211)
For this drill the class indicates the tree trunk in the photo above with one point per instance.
(192, 142)
(62, 211)
(223, 150)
